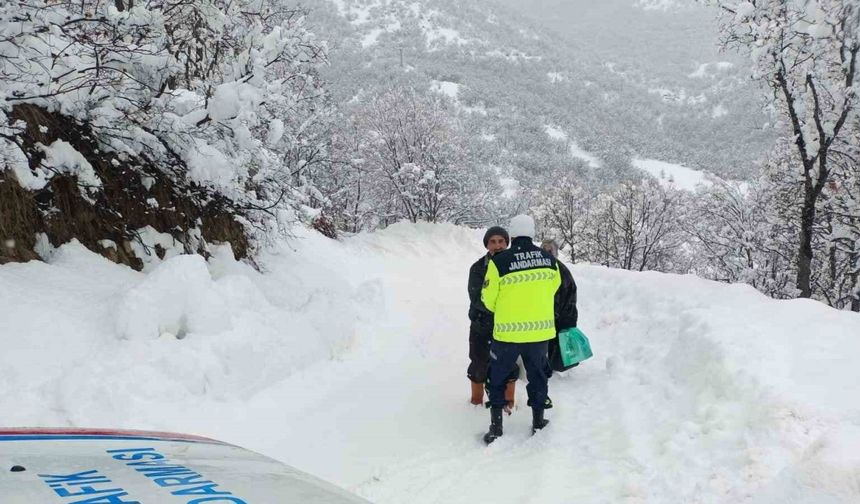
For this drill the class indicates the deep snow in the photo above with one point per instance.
(672, 175)
(347, 360)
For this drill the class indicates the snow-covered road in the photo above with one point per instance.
(348, 360)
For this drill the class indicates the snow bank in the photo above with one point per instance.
(449, 89)
(347, 359)
(89, 332)
(576, 151)
(554, 132)
(579, 153)
(719, 111)
(827, 472)
(661, 5)
(671, 174)
(176, 299)
(710, 69)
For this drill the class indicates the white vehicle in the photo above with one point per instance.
(80, 466)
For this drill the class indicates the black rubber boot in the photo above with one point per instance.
(495, 425)
(538, 421)
(547, 404)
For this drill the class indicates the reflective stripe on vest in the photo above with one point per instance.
(527, 276)
(538, 325)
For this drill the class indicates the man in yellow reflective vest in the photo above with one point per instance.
(519, 289)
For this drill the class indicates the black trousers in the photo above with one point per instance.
(503, 355)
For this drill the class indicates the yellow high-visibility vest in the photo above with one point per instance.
(519, 288)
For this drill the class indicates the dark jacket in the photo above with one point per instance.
(478, 313)
(566, 314)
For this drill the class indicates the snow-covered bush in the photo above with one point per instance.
(220, 98)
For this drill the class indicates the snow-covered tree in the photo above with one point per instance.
(837, 277)
(221, 97)
(746, 234)
(563, 212)
(418, 157)
(806, 51)
(724, 228)
(637, 226)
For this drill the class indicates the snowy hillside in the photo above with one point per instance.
(666, 55)
(347, 359)
(509, 76)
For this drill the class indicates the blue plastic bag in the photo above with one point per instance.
(574, 346)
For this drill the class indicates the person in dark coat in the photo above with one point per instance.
(566, 314)
(481, 328)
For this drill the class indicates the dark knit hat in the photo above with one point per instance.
(496, 231)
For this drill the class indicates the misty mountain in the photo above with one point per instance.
(554, 84)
